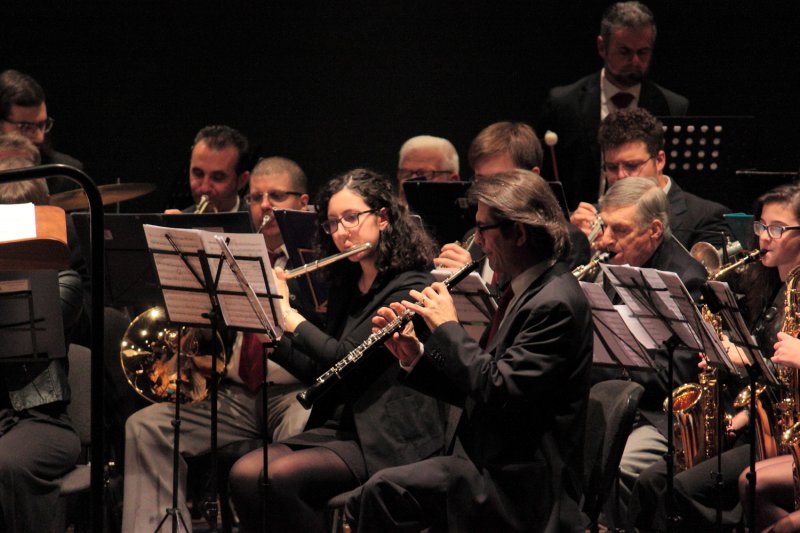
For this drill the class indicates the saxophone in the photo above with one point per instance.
(789, 404)
(695, 410)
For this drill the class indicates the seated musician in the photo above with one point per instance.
(217, 171)
(515, 463)
(369, 420)
(427, 158)
(501, 147)
(637, 233)
(632, 144)
(276, 183)
(37, 442)
(777, 223)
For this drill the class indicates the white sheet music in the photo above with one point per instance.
(17, 222)
(188, 306)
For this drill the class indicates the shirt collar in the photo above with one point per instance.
(608, 90)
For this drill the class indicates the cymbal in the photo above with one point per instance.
(111, 194)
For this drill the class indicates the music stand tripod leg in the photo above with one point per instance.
(174, 512)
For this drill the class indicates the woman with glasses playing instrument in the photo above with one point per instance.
(776, 224)
(370, 420)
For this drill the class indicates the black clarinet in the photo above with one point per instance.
(335, 374)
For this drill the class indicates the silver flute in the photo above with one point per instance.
(325, 261)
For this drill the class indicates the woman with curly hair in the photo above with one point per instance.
(369, 420)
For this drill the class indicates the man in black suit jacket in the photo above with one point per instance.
(632, 141)
(638, 234)
(626, 40)
(517, 459)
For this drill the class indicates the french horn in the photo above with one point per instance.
(149, 357)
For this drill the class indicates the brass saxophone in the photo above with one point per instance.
(695, 411)
(789, 403)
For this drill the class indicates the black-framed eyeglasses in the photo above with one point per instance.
(480, 228)
(773, 230)
(629, 167)
(350, 220)
(404, 174)
(274, 196)
(29, 128)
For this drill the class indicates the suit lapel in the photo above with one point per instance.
(677, 206)
(651, 99)
(590, 114)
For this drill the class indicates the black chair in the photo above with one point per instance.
(610, 417)
(73, 506)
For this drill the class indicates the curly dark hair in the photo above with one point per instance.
(631, 125)
(403, 245)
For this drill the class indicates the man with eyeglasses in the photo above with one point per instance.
(23, 109)
(427, 158)
(632, 143)
(275, 183)
(625, 44)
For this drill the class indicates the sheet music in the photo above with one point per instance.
(612, 332)
(188, 306)
(17, 222)
(473, 301)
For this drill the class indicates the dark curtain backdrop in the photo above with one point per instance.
(342, 84)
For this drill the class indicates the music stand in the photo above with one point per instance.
(193, 296)
(31, 328)
(297, 231)
(661, 302)
(704, 152)
(474, 304)
(443, 207)
(130, 279)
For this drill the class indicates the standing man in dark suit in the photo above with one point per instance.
(23, 109)
(626, 41)
(632, 142)
(517, 458)
(218, 170)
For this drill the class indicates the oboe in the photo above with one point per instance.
(335, 374)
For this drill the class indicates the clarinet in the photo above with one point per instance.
(335, 374)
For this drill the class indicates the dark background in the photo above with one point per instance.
(343, 84)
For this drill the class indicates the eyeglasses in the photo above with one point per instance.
(350, 220)
(274, 196)
(480, 228)
(629, 167)
(29, 128)
(773, 230)
(429, 175)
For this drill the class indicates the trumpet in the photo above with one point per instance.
(724, 271)
(319, 263)
(204, 204)
(335, 374)
(583, 271)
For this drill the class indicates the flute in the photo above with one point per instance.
(325, 261)
(335, 374)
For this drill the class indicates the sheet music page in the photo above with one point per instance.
(187, 307)
(239, 314)
(470, 298)
(680, 303)
(17, 222)
(612, 332)
(172, 271)
(188, 241)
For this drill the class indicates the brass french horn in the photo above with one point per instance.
(149, 357)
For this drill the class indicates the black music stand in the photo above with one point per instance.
(663, 305)
(443, 207)
(130, 279)
(704, 152)
(475, 305)
(203, 299)
(31, 329)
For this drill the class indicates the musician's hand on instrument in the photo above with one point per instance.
(452, 257)
(173, 212)
(787, 351)
(280, 273)
(738, 422)
(584, 216)
(735, 354)
(436, 307)
(404, 344)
